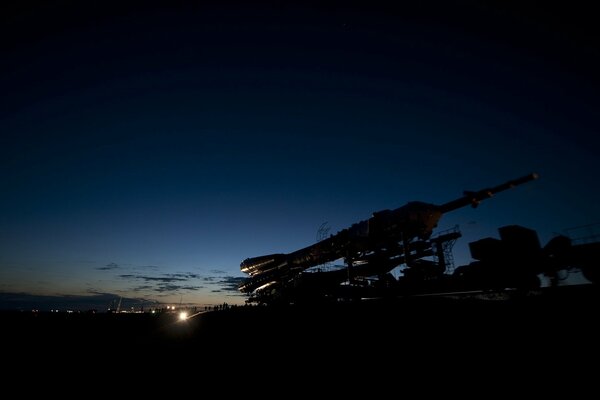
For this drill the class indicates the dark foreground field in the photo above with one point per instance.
(428, 333)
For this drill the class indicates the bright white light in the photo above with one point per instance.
(183, 316)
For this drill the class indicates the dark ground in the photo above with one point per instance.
(554, 333)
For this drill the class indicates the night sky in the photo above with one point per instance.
(147, 149)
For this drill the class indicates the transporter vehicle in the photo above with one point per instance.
(370, 249)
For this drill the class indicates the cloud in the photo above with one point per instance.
(146, 267)
(180, 277)
(108, 267)
(224, 283)
(142, 287)
(187, 275)
(163, 283)
(190, 287)
(167, 287)
(160, 284)
(160, 278)
(217, 271)
(231, 283)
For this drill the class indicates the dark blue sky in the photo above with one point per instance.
(146, 150)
